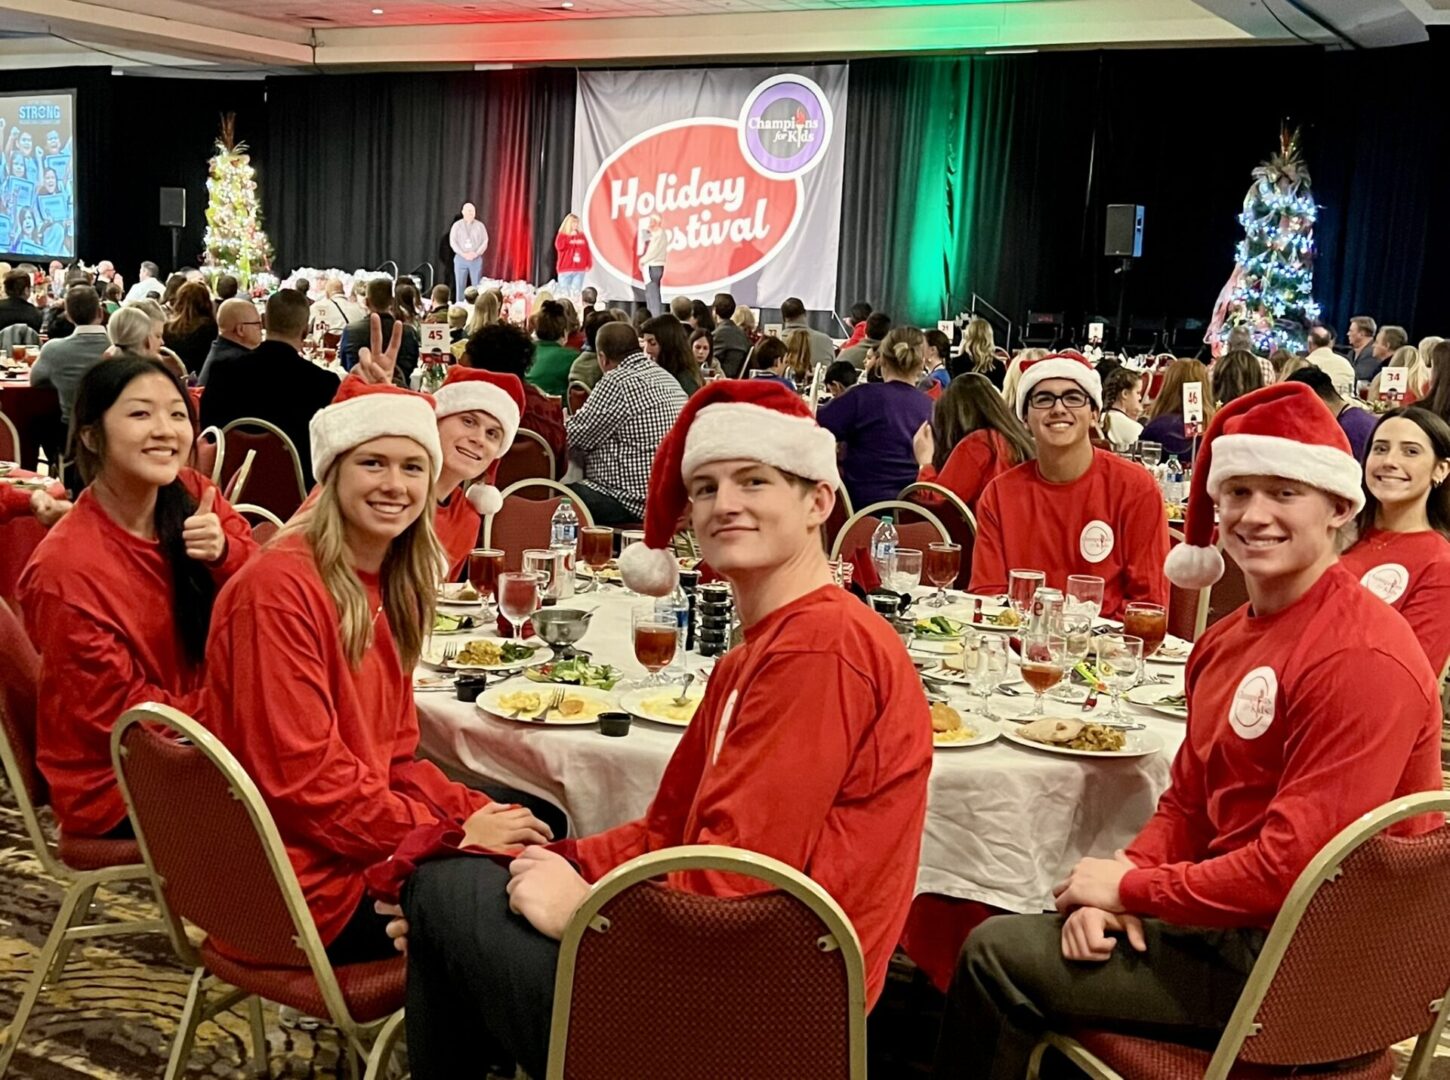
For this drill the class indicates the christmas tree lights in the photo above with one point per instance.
(1271, 290)
(235, 242)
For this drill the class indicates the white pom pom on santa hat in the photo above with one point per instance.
(485, 498)
(748, 419)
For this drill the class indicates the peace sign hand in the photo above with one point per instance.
(376, 364)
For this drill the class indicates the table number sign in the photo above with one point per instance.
(1192, 409)
(434, 338)
(1394, 382)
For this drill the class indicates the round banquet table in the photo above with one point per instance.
(1004, 822)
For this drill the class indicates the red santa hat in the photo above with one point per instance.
(1280, 430)
(1064, 365)
(502, 397)
(363, 411)
(731, 419)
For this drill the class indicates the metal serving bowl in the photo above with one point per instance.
(561, 628)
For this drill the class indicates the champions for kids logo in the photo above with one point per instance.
(728, 190)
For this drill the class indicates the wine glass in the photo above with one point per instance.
(1022, 586)
(627, 539)
(484, 566)
(1151, 453)
(540, 563)
(596, 548)
(1044, 660)
(1146, 621)
(1076, 628)
(1120, 659)
(943, 563)
(655, 640)
(904, 573)
(518, 598)
(1085, 593)
(986, 665)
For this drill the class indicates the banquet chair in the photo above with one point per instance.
(1358, 960)
(1228, 593)
(578, 394)
(781, 970)
(855, 535)
(18, 334)
(1187, 608)
(277, 478)
(232, 488)
(524, 521)
(955, 515)
(209, 451)
(840, 514)
(331, 339)
(529, 458)
(80, 865)
(250, 899)
(264, 523)
(9, 439)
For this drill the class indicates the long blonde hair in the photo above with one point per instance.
(569, 219)
(1170, 395)
(486, 311)
(977, 345)
(1413, 361)
(409, 576)
(1014, 374)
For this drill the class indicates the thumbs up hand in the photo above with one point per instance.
(202, 532)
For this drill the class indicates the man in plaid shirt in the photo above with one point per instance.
(615, 435)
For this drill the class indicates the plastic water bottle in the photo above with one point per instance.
(883, 547)
(1173, 491)
(680, 609)
(564, 526)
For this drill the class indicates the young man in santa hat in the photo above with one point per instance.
(1076, 509)
(1284, 749)
(812, 743)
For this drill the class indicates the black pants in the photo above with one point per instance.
(364, 938)
(604, 508)
(541, 808)
(1012, 983)
(480, 978)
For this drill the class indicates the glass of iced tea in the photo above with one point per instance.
(596, 548)
(484, 567)
(1146, 621)
(518, 598)
(1044, 662)
(655, 640)
(943, 564)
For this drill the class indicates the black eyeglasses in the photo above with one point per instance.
(1072, 399)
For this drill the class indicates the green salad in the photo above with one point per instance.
(940, 628)
(447, 624)
(576, 672)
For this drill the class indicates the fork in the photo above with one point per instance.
(555, 700)
(450, 654)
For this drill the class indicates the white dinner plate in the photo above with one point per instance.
(448, 597)
(480, 626)
(1149, 695)
(1138, 744)
(987, 731)
(937, 647)
(490, 702)
(1177, 653)
(645, 702)
(432, 655)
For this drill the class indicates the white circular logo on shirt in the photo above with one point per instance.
(1096, 541)
(1252, 709)
(1387, 581)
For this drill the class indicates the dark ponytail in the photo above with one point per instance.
(192, 587)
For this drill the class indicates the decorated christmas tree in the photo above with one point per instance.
(235, 242)
(1271, 288)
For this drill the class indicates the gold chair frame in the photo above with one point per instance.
(585, 517)
(876, 509)
(271, 429)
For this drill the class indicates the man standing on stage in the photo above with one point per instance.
(469, 240)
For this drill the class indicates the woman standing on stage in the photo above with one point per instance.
(574, 257)
(653, 246)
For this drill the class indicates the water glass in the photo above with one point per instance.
(596, 548)
(904, 573)
(1148, 622)
(1151, 453)
(1044, 662)
(627, 539)
(943, 564)
(1022, 586)
(1085, 593)
(484, 567)
(992, 666)
(655, 639)
(1120, 660)
(518, 598)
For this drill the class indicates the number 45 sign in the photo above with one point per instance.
(1192, 409)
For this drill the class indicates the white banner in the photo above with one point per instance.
(743, 167)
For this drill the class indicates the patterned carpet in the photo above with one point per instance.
(114, 1014)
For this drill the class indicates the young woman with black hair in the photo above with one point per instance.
(118, 596)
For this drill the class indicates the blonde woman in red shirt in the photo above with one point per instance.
(574, 258)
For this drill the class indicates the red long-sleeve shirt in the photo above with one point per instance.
(1411, 573)
(974, 463)
(573, 253)
(1286, 746)
(1109, 522)
(330, 748)
(457, 524)
(812, 745)
(98, 605)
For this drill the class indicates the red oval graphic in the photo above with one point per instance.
(727, 219)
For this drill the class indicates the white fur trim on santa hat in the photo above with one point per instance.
(485, 498)
(341, 426)
(1059, 367)
(647, 570)
(1325, 467)
(1191, 567)
(737, 429)
(468, 395)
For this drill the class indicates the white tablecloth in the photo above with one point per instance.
(1004, 822)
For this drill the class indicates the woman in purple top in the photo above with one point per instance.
(875, 422)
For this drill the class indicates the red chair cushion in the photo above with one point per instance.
(1145, 1059)
(372, 990)
(93, 853)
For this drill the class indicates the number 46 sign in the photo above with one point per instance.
(1192, 409)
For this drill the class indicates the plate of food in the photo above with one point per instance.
(448, 623)
(485, 654)
(658, 703)
(1080, 738)
(998, 620)
(458, 594)
(607, 574)
(576, 672)
(950, 730)
(1162, 699)
(1174, 650)
(938, 635)
(579, 705)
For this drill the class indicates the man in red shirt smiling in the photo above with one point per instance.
(1284, 749)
